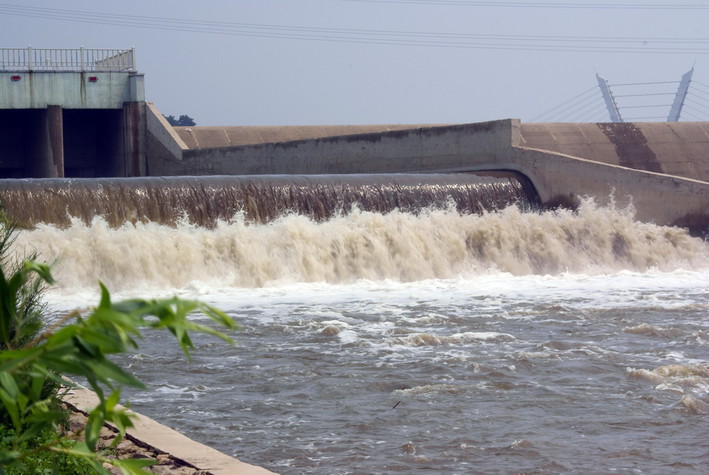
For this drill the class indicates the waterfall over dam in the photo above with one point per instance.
(205, 200)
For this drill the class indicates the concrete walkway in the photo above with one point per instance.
(164, 439)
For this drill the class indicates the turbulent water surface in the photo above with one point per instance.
(438, 341)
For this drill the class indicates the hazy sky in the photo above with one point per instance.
(299, 62)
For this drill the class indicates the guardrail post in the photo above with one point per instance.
(54, 59)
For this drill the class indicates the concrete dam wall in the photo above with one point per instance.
(82, 113)
(672, 148)
(662, 169)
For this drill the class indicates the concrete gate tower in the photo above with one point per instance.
(71, 113)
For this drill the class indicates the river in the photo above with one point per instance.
(435, 341)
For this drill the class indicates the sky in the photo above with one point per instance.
(347, 62)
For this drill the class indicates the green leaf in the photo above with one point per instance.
(108, 372)
(92, 430)
(118, 416)
(62, 335)
(12, 409)
(43, 270)
(78, 349)
(218, 316)
(8, 383)
(12, 360)
(65, 363)
(105, 297)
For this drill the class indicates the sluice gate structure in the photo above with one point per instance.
(71, 113)
(82, 114)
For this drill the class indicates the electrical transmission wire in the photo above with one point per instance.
(554, 5)
(552, 43)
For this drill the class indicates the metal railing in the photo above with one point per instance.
(54, 59)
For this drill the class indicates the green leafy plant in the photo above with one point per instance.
(35, 363)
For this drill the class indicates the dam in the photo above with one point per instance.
(460, 338)
(661, 169)
(83, 114)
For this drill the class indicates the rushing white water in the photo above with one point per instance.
(440, 342)
(360, 245)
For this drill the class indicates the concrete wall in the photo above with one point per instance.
(499, 146)
(410, 150)
(71, 90)
(657, 198)
(671, 148)
(216, 137)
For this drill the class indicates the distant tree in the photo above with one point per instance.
(183, 121)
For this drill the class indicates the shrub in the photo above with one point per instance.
(35, 362)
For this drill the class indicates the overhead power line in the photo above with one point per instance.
(553, 5)
(589, 44)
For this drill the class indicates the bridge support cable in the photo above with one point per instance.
(598, 114)
(700, 95)
(553, 113)
(680, 97)
(612, 107)
(699, 102)
(701, 87)
(696, 117)
(701, 109)
(649, 117)
(580, 108)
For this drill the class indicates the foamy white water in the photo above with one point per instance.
(361, 245)
(437, 343)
